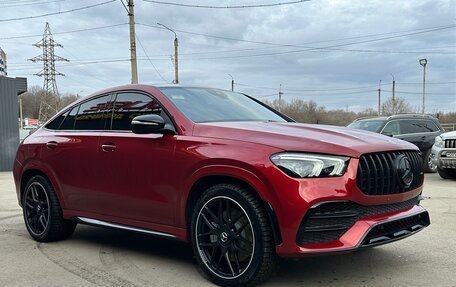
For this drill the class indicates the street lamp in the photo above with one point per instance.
(176, 44)
(423, 63)
(232, 82)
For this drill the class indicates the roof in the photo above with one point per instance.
(399, 116)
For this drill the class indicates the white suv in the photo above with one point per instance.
(444, 154)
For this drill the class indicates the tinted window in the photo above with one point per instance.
(92, 114)
(130, 105)
(391, 128)
(372, 126)
(417, 126)
(68, 123)
(213, 105)
(55, 124)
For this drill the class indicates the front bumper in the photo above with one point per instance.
(441, 159)
(372, 231)
(398, 215)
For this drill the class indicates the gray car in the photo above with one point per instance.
(420, 130)
(444, 155)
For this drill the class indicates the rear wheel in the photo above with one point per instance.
(232, 237)
(428, 163)
(447, 173)
(42, 212)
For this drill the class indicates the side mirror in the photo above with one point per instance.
(388, 134)
(148, 124)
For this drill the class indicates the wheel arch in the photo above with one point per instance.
(248, 181)
(29, 173)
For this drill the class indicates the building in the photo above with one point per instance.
(10, 89)
(2, 63)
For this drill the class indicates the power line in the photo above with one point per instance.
(64, 32)
(58, 13)
(308, 48)
(226, 7)
(421, 30)
(26, 4)
(308, 90)
(150, 61)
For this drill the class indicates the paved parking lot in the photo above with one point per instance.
(101, 257)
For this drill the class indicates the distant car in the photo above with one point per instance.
(444, 155)
(420, 130)
(240, 181)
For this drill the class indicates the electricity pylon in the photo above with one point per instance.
(48, 104)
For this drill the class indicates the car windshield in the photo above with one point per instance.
(372, 126)
(214, 105)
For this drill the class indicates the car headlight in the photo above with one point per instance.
(439, 142)
(302, 165)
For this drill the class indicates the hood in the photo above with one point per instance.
(303, 137)
(448, 135)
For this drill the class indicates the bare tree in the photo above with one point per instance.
(32, 98)
(399, 106)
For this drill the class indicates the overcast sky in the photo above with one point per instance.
(334, 52)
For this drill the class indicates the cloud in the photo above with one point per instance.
(315, 23)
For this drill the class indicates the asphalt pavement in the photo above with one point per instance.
(101, 257)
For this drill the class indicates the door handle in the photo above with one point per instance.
(108, 147)
(52, 144)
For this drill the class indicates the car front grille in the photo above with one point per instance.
(450, 143)
(330, 220)
(377, 174)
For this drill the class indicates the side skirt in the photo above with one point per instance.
(96, 222)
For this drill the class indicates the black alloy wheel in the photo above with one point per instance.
(225, 237)
(43, 215)
(36, 208)
(231, 236)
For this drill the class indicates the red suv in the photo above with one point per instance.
(240, 181)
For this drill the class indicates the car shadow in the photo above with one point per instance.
(358, 268)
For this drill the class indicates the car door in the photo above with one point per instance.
(70, 151)
(417, 132)
(137, 168)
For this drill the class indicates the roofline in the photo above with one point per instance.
(397, 116)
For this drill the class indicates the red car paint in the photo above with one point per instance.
(146, 180)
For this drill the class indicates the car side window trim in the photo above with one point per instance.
(398, 120)
(163, 109)
(78, 106)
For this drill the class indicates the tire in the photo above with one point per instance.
(42, 212)
(428, 166)
(447, 173)
(231, 220)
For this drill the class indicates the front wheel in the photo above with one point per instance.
(428, 163)
(447, 173)
(42, 212)
(232, 237)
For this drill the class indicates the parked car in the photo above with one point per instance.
(240, 181)
(420, 130)
(444, 155)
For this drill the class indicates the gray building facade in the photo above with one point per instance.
(10, 89)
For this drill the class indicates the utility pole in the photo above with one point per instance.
(20, 113)
(133, 59)
(48, 105)
(280, 98)
(379, 84)
(394, 96)
(423, 63)
(176, 59)
(232, 82)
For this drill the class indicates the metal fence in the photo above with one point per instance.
(449, 127)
